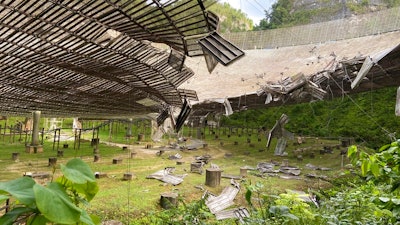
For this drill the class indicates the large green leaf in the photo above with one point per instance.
(54, 203)
(11, 216)
(38, 220)
(89, 219)
(374, 165)
(3, 198)
(351, 150)
(375, 169)
(365, 166)
(78, 171)
(20, 189)
(248, 196)
(89, 189)
(384, 147)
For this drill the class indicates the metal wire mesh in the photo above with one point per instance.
(357, 26)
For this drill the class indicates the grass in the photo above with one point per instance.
(119, 199)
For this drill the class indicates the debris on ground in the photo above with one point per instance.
(311, 166)
(310, 198)
(229, 176)
(112, 222)
(166, 176)
(316, 176)
(197, 167)
(194, 144)
(204, 158)
(174, 157)
(268, 168)
(219, 205)
(290, 170)
(214, 166)
(37, 175)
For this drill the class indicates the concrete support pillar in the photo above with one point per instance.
(35, 146)
(129, 128)
(35, 130)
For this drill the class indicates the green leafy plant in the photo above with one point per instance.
(56, 203)
(382, 166)
(359, 205)
(382, 170)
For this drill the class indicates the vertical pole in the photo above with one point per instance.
(26, 137)
(54, 138)
(110, 131)
(97, 138)
(10, 134)
(79, 139)
(75, 133)
(5, 127)
(42, 141)
(58, 138)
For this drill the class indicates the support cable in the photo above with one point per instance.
(389, 134)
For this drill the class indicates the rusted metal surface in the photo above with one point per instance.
(95, 58)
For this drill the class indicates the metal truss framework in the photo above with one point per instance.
(91, 58)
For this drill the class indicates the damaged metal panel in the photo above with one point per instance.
(183, 115)
(188, 94)
(166, 177)
(176, 59)
(280, 146)
(162, 116)
(213, 21)
(366, 67)
(219, 205)
(239, 213)
(368, 63)
(278, 130)
(222, 201)
(219, 48)
(211, 62)
(315, 91)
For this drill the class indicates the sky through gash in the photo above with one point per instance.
(255, 9)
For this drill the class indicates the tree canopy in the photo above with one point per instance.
(231, 19)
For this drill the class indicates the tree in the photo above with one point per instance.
(231, 20)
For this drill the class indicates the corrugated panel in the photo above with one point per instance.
(222, 201)
(221, 49)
